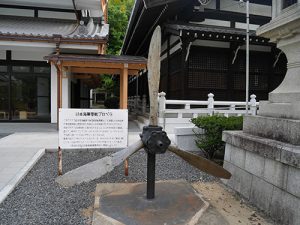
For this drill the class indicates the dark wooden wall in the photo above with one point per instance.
(211, 70)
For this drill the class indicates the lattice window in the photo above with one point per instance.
(207, 80)
(259, 83)
(239, 81)
(207, 68)
(208, 60)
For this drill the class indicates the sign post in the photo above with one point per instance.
(91, 129)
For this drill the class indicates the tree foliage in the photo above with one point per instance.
(118, 17)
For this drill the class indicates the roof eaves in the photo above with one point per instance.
(51, 39)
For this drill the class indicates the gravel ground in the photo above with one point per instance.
(39, 200)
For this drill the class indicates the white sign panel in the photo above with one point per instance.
(93, 128)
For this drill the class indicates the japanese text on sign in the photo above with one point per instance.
(93, 128)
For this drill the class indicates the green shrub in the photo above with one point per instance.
(112, 103)
(211, 143)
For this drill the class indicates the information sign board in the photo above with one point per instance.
(93, 128)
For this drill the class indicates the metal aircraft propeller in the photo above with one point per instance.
(153, 139)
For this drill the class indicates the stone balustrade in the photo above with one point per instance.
(178, 113)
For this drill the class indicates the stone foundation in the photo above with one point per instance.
(185, 138)
(266, 172)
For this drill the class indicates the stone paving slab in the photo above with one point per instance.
(176, 202)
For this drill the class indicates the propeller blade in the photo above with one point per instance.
(201, 163)
(154, 74)
(98, 168)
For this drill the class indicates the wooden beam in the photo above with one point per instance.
(101, 71)
(82, 76)
(104, 65)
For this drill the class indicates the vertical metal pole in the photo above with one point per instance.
(59, 154)
(247, 59)
(9, 73)
(151, 176)
(137, 85)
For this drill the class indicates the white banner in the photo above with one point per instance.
(93, 128)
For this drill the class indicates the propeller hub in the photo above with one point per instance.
(155, 139)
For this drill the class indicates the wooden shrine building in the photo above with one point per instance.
(203, 48)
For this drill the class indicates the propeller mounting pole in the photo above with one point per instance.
(155, 142)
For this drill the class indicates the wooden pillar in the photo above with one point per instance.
(59, 91)
(183, 75)
(230, 92)
(124, 99)
(168, 78)
(124, 87)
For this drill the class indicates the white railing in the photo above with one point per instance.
(178, 113)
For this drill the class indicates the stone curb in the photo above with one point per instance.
(20, 175)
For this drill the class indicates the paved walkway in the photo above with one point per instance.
(21, 146)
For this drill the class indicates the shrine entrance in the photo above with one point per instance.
(88, 67)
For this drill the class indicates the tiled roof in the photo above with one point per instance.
(45, 27)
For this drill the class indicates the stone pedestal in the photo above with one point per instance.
(264, 158)
(266, 172)
(284, 29)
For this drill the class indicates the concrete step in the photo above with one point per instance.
(131, 117)
(139, 124)
(141, 121)
(144, 120)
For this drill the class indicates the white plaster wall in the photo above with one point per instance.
(66, 90)
(244, 26)
(258, 48)
(255, 9)
(26, 50)
(53, 94)
(216, 23)
(16, 12)
(2, 54)
(215, 44)
(57, 15)
(29, 55)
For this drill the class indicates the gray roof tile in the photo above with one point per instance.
(45, 27)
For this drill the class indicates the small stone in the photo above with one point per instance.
(253, 213)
